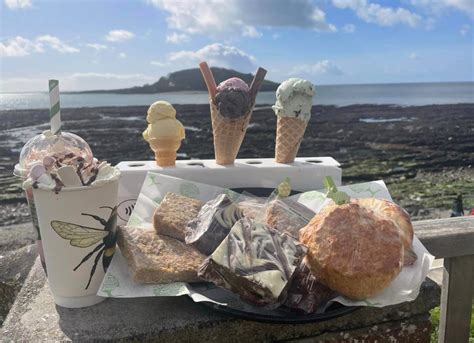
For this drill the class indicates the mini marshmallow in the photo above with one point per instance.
(45, 180)
(36, 171)
(48, 161)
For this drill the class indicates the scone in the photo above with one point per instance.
(174, 213)
(353, 250)
(399, 216)
(156, 258)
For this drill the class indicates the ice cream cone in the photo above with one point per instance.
(228, 135)
(290, 132)
(165, 150)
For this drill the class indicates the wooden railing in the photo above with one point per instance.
(453, 240)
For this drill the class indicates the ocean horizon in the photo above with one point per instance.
(401, 94)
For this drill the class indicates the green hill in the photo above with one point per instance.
(187, 80)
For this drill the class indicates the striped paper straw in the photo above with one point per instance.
(54, 108)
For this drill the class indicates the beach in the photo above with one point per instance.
(423, 153)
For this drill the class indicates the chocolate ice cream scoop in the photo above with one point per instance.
(233, 103)
(233, 98)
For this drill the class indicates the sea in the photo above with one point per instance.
(401, 94)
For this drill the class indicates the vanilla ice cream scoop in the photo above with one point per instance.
(164, 132)
(161, 117)
(294, 99)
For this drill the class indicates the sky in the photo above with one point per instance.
(111, 44)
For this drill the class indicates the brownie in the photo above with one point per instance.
(255, 262)
(212, 224)
(306, 294)
(288, 216)
(174, 213)
(156, 258)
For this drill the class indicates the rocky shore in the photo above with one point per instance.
(424, 153)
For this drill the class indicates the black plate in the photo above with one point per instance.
(237, 308)
(259, 191)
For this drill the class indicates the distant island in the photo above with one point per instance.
(186, 80)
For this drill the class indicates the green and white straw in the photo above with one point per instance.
(54, 107)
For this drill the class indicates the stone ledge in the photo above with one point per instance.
(34, 317)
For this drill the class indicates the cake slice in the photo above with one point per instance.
(254, 261)
(213, 223)
(156, 258)
(288, 216)
(306, 294)
(174, 213)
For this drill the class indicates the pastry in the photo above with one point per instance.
(212, 224)
(174, 213)
(353, 250)
(400, 217)
(255, 262)
(287, 216)
(156, 258)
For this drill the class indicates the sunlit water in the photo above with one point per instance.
(339, 95)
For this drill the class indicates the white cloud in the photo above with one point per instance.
(97, 46)
(56, 44)
(320, 68)
(122, 55)
(437, 6)
(214, 17)
(159, 64)
(18, 4)
(20, 46)
(76, 81)
(119, 35)
(464, 30)
(111, 76)
(348, 28)
(378, 14)
(217, 55)
(275, 36)
(177, 38)
(250, 31)
(413, 56)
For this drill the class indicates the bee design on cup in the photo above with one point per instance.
(84, 237)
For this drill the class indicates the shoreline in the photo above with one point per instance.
(257, 106)
(421, 152)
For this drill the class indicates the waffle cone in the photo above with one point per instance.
(228, 135)
(290, 132)
(165, 150)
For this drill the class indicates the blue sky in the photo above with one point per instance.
(111, 44)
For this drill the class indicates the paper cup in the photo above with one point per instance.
(78, 230)
(23, 174)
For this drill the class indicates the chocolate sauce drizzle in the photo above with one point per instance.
(59, 183)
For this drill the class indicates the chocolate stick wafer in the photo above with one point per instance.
(257, 82)
(209, 79)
